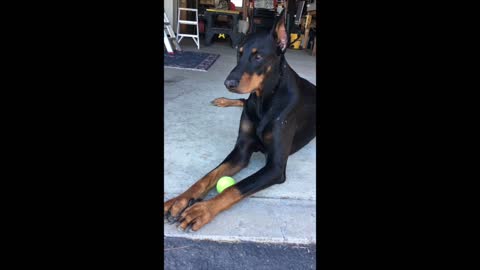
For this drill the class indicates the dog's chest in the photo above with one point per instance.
(257, 107)
(261, 116)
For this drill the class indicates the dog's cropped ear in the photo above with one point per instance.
(279, 32)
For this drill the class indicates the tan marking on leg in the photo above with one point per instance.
(227, 102)
(225, 200)
(241, 49)
(254, 50)
(206, 183)
(202, 213)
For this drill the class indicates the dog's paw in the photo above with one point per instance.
(196, 216)
(221, 102)
(174, 207)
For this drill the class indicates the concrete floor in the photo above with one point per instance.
(198, 135)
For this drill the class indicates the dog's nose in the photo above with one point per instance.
(231, 84)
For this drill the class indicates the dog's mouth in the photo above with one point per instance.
(238, 91)
(239, 87)
(247, 84)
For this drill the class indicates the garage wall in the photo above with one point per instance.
(170, 7)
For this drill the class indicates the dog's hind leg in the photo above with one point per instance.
(227, 102)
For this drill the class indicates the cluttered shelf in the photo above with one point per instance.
(309, 27)
(259, 15)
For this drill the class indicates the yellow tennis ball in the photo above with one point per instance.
(224, 182)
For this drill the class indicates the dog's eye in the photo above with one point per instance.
(258, 57)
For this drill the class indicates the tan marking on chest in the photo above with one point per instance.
(267, 137)
(246, 126)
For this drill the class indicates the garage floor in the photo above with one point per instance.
(198, 136)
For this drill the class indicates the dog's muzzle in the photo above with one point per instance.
(231, 84)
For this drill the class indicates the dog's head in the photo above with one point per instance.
(258, 58)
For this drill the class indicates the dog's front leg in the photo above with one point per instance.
(236, 161)
(228, 102)
(278, 144)
(233, 163)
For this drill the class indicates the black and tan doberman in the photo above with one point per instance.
(278, 119)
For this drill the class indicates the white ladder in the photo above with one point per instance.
(180, 35)
(166, 40)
